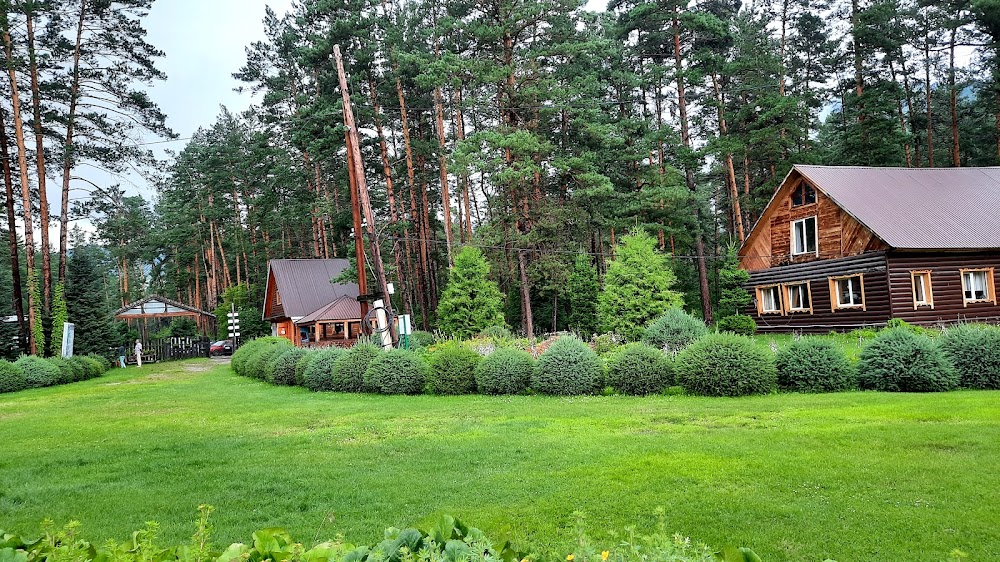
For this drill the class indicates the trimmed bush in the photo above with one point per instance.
(738, 324)
(606, 343)
(726, 365)
(348, 373)
(66, 373)
(318, 373)
(92, 367)
(79, 369)
(674, 330)
(37, 371)
(496, 333)
(240, 357)
(11, 377)
(302, 365)
(453, 368)
(639, 369)
(567, 367)
(397, 372)
(102, 360)
(281, 369)
(899, 360)
(974, 351)
(505, 371)
(420, 338)
(813, 365)
(256, 364)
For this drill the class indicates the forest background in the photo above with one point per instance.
(537, 131)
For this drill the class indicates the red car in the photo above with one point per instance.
(221, 347)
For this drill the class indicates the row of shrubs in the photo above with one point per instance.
(30, 371)
(448, 540)
(714, 364)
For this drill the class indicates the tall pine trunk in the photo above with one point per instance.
(43, 198)
(68, 147)
(443, 169)
(423, 283)
(955, 160)
(22, 164)
(15, 261)
(699, 242)
(391, 195)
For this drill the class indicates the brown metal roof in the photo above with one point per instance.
(917, 208)
(305, 285)
(344, 308)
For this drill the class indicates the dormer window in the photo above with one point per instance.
(804, 194)
(804, 236)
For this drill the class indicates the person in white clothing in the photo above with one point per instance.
(138, 353)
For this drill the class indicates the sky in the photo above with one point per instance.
(204, 42)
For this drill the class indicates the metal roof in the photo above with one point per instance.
(344, 308)
(155, 304)
(917, 208)
(305, 285)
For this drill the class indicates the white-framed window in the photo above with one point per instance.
(804, 236)
(847, 292)
(798, 297)
(923, 294)
(977, 285)
(769, 300)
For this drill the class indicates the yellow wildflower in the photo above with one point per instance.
(604, 555)
(569, 558)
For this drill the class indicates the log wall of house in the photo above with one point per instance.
(839, 234)
(823, 318)
(272, 307)
(946, 287)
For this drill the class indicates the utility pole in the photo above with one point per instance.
(357, 173)
(359, 246)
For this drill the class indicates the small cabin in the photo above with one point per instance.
(839, 248)
(303, 302)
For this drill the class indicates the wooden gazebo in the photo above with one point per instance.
(160, 310)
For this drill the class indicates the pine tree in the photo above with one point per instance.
(583, 289)
(637, 287)
(86, 302)
(733, 298)
(471, 302)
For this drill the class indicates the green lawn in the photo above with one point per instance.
(854, 476)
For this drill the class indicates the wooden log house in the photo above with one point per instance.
(839, 248)
(305, 305)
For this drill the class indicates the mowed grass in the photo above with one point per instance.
(853, 476)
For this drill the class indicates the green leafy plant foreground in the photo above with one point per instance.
(448, 540)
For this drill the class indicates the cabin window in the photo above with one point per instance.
(922, 294)
(799, 299)
(804, 194)
(848, 292)
(804, 236)
(277, 297)
(769, 300)
(977, 286)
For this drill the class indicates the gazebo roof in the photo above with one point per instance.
(154, 306)
(343, 308)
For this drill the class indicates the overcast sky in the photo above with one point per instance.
(204, 42)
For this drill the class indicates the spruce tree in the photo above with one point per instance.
(86, 303)
(471, 302)
(583, 289)
(637, 287)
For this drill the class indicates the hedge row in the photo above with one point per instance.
(898, 359)
(34, 372)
